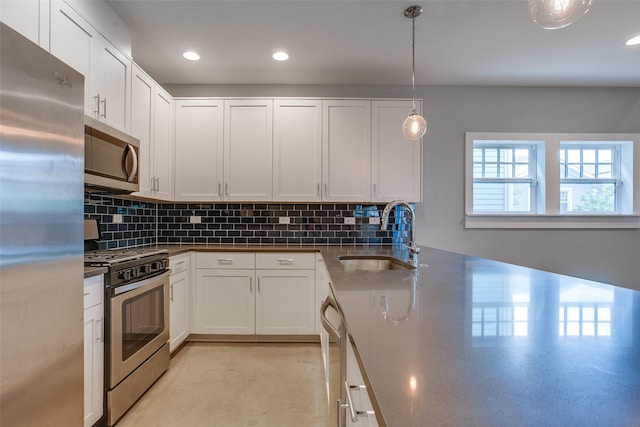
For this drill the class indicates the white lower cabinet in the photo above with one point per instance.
(285, 302)
(93, 349)
(224, 301)
(179, 313)
(246, 293)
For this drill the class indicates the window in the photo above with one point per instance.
(503, 177)
(518, 180)
(590, 174)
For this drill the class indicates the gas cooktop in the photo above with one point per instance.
(114, 256)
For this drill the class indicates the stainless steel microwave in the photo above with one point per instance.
(111, 159)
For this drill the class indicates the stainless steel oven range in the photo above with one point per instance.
(136, 322)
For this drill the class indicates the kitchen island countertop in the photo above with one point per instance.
(473, 342)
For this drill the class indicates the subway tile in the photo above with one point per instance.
(148, 223)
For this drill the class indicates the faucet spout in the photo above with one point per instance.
(413, 248)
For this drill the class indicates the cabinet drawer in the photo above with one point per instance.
(179, 263)
(93, 291)
(225, 260)
(286, 260)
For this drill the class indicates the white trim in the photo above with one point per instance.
(552, 221)
(548, 203)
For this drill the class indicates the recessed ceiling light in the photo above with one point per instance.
(191, 55)
(633, 41)
(280, 56)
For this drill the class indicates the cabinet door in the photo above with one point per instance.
(396, 162)
(112, 84)
(346, 150)
(248, 142)
(142, 94)
(73, 41)
(224, 302)
(198, 150)
(285, 302)
(162, 145)
(22, 16)
(93, 363)
(178, 308)
(297, 150)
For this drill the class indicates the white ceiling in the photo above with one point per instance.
(458, 42)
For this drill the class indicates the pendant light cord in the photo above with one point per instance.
(413, 63)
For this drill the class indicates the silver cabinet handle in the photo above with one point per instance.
(101, 337)
(170, 292)
(220, 189)
(87, 293)
(355, 414)
(158, 184)
(250, 285)
(258, 285)
(375, 190)
(104, 108)
(285, 261)
(326, 324)
(97, 110)
(325, 189)
(225, 261)
(318, 189)
(226, 189)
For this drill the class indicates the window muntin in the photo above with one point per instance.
(591, 173)
(503, 177)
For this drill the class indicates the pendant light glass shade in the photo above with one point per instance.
(414, 126)
(554, 14)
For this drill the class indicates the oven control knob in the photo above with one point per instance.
(124, 275)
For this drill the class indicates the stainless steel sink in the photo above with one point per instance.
(373, 263)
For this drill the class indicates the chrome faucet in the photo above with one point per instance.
(413, 248)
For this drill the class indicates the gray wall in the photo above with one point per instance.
(611, 256)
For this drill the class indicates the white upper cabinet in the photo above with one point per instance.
(162, 145)
(112, 80)
(198, 159)
(151, 123)
(297, 150)
(248, 143)
(73, 41)
(346, 155)
(24, 17)
(142, 95)
(106, 70)
(396, 162)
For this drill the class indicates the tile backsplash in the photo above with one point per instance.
(148, 223)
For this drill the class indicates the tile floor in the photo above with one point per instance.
(237, 384)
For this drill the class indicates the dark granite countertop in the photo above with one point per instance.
(474, 342)
(94, 271)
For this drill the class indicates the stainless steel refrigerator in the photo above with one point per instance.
(41, 237)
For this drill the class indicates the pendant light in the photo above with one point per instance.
(414, 126)
(554, 14)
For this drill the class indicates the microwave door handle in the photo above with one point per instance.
(131, 175)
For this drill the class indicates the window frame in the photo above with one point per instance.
(548, 212)
(531, 179)
(616, 179)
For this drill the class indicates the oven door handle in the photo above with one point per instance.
(142, 283)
